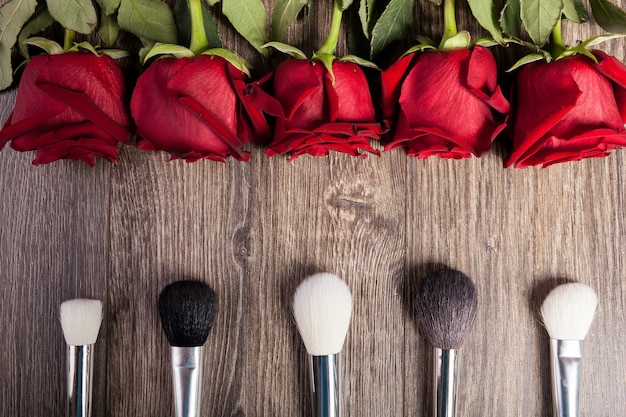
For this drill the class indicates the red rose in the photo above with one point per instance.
(69, 106)
(568, 110)
(444, 103)
(195, 108)
(320, 116)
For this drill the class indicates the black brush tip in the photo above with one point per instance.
(446, 305)
(187, 310)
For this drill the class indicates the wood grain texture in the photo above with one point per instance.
(253, 231)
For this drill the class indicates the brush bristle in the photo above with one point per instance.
(81, 320)
(446, 305)
(187, 310)
(568, 311)
(322, 307)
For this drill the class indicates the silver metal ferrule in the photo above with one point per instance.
(444, 382)
(187, 377)
(565, 361)
(326, 385)
(79, 380)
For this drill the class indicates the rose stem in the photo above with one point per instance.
(556, 40)
(330, 45)
(68, 39)
(199, 42)
(449, 22)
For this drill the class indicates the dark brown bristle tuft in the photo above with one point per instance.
(187, 310)
(446, 305)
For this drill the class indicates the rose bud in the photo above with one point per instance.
(319, 115)
(198, 108)
(444, 103)
(568, 110)
(69, 106)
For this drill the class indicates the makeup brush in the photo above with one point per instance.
(322, 307)
(567, 313)
(80, 321)
(187, 310)
(446, 304)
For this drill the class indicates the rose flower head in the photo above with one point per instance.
(69, 106)
(445, 103)
(200, 107)
(568, 109)
(323, 111)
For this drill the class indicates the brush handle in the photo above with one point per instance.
(566, 360)
(326, 385)
(444, 382)
(79, 380)
(187, 373)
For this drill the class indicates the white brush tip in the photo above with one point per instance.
(322, 307)
(568, 311)
(80, 320)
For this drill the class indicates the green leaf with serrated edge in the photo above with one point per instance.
(393, 25)
(461, 40)
(236, 60)
(77, 15)
(13, 16)
(486, 13)
(148, 19)
(168, 49)
(41, 20)
(285, 12)
(50, 46)
(510, 19)
(6, 73)
(540, 17)
(183, 23)
(610, 17)
(574, 10)
(359, 61)
(528, 59)
(108, 7)
(248, 19)
(286, 49)
(358, 43)
(596, 40)
(108, 29)
(364, 16)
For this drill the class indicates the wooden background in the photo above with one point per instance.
(254, 231)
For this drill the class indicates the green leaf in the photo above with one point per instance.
(577, 50)
(510, 19)
(610, 17)
(77, 15)
(419, 48)
(13, 16)
(148, 19)
(109, 29)
(358, 43)
(183, 23)
(115, 53)
(540, 17)
(574, 10)
(83, 45)
(459, 41)
(359, 61)
(365, 15)
(6, 72)
(108, 6)
(286, 49)
(285, 12)
(148, 44)
(487, 42)
(486, 13)
(539, 56)
(394, 24)
(596, 40)
(236, 60)
(50, 46)
(248, 17)
(343, 4)
(40, 21)
(160, 49)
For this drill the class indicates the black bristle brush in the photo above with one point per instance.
(445, 305)
(187, 310)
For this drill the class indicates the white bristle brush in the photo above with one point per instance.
(80, 321)
(567, 314)
(322, 308)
